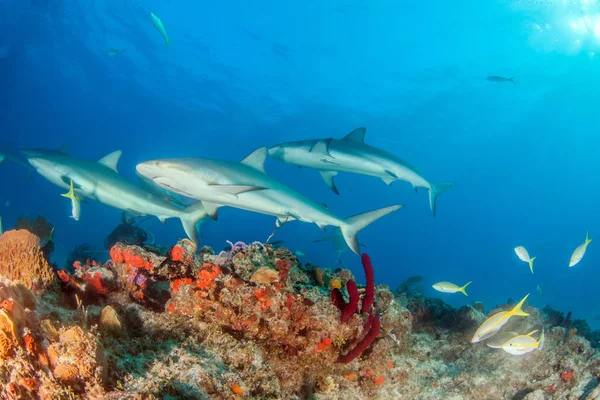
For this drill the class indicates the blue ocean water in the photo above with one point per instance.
(238, 76)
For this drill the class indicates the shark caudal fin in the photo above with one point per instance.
(352, 225)
(190, 218)
(435, 190)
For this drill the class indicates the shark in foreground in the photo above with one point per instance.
(246, 185)
(351, 154)
(100, 180)
(8, 154)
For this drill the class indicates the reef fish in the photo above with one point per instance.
(246, 185)
(447, 287)
(524, 256)
(523, 344)
(160, 27)
(100, 180)
(351, 154)
(495, 78)
(75, 203)
(580, 251)
(492, 325)
(114, 52)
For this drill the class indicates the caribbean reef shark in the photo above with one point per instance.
(100, 180)
(246, 185)
(8, 154)
(351, 154)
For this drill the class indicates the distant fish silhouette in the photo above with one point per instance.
(495, 78)
(114, 52)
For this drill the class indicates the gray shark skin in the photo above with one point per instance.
(245, 185)
(8, 154)
(337, 241)
(160, 192)
(351, 154)
(100, 180)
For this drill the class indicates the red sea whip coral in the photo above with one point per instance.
(373, 324)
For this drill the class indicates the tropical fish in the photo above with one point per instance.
(524, 256)
(75, 203)
(246, 185)
(160, 27)
(523, 344)
(580, 251)
(492, 325)
(298, 253)
(351, 154)
(100, 180)
(495, 78)
(114, 52)
(447, 287)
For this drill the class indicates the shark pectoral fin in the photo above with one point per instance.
(328, 178)
(389, 177)
(323, 227)
(322, 147)
(211, 209)
(111, 160)
(356, 136)
(236, 189)
(352, 225)
(162, 219)
(256, 159)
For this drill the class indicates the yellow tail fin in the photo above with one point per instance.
(531, 264)
(462, 289)
(587, 238)
(518, 309)
(71, 193)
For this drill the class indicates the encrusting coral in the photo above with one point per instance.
(255, 323)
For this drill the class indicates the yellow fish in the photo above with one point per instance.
(75, 204)
(523, 344)
(492, 325)
(524, 256)
(580, 251)
(447, 287)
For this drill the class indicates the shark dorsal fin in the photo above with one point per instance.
(111, 160)
(256, 159)
(65, 148)
(356, 136)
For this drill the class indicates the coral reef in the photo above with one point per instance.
(40, 227)
(253, 322)
(22, 259)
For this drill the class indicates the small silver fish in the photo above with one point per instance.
(114, 52)
(495, 78)
(299, 254)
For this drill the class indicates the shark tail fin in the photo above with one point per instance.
(352, 225)
(512, 79)
(435, 190)
(190, 218)
(167, 42)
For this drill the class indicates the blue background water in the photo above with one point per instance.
(242, 75)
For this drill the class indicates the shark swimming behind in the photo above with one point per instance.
(246, 185)
(351, 154)
(100, 180)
